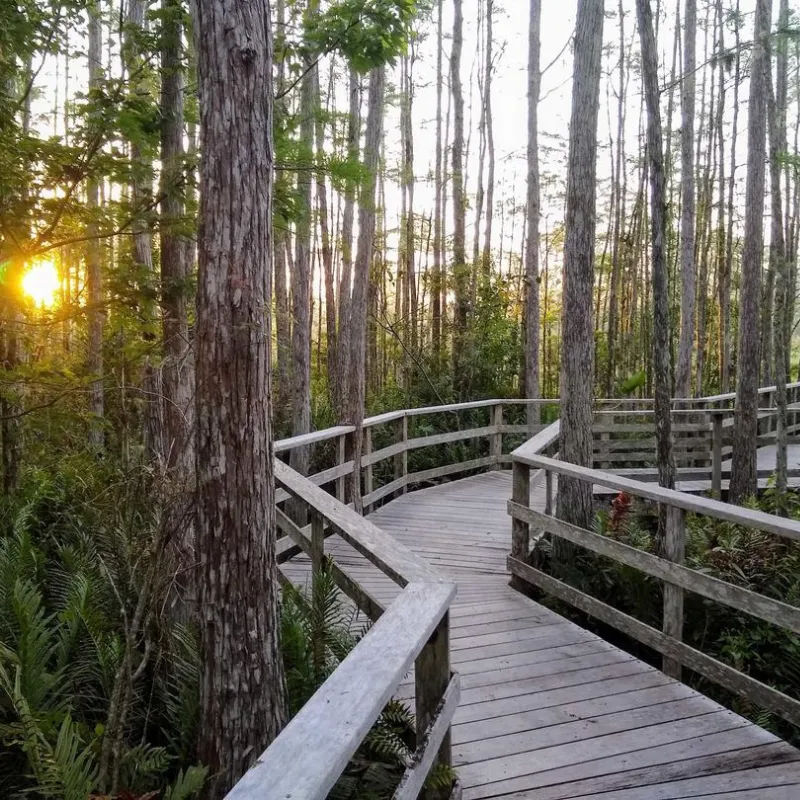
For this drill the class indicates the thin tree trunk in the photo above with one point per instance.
(531, 307)
(661, 350)
(236, 529)
(486, 260)
(461, 271)
(282, 389)
(345, 283)
(361, 276)
(302, 272)
(577, 350)
(726, 285)
(779, 264)
(438, 247)
(744, 469)
(94, 267)
(683, 375)
(178, 367)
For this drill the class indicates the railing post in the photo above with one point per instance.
(520, 494)
(401, 459)
(341, 457)
(496, 439)
(548, 487)
(716, 454)
(367, 450)
(317, 541)
(431, 678)
(674, 550)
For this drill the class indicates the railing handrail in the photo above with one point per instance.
(667, 566)
(391, 556)
(751, 518)
(312, 751)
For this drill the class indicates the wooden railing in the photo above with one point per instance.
(529, 525)
(624, 438)
(310, 754)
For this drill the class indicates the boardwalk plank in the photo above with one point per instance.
(548, 710)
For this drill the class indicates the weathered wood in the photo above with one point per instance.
(341, 447)
(429, 743)
(520, 495)
(306, 439)
(401, 459)
(746, 600)
(431, 678)
(541, 442)
(317, 541)
(548, 506)
(453, 436)
(716, 456)
(311, 752)
(700, 505)
(367, 465)
(383, 491)
(496, 437)
(449, 469)
(674, 551)
(384, 551)
(743, 685)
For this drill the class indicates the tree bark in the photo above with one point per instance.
(94, 266)
(178, 367)
(437, 277)
(345, 283)
(683, 374)
(658, 208)
(779, 264)
(486, 258)
(361, 276)
(302, 272)
(577, 349)
(744, 481)
(461, 271)
(242, 686)
(531, 306)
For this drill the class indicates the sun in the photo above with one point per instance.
(41, 283)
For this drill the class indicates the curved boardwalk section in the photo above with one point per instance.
(548, 710)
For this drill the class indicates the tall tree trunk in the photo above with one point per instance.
(620, 190)
(178, 368)
(437, 277)
(577, 347)
(235, 506)
(683, 375)
(461, 271)
(94, 266)
(726, 284)
(655, 151)
(745, 428)
(486, 259)
(302, 273)
(531, 307)
(345, 283)
(282, 387)
(779, 263)
(361, 275)
(327, 251)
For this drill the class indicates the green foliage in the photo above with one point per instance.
(75, 550)
(367, 32)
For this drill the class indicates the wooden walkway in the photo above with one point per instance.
(548, 710)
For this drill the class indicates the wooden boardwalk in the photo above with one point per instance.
(549, 710)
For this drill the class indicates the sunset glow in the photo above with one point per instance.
(41, 283)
